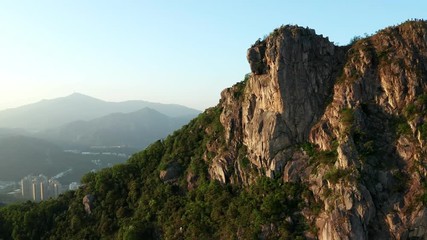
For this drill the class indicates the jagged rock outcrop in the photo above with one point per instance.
(293, 76)
(362, 106)
(383, 75)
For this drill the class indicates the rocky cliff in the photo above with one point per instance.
(348, 121)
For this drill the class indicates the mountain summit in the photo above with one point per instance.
(318, 142)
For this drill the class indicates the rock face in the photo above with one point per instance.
(362, 109)
(282, 104)
(293, 76)
(88, 203)
(171, 173)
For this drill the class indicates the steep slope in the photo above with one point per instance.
(318, 142)
(57, 112)
(136, 129)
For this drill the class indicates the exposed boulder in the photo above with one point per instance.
(88, 203)
(256, 59)
(171, 173)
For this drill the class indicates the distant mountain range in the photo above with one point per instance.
(33, 137)
(136, 129)
(54, 113)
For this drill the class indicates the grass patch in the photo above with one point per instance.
(347, 116)
(423, 131)
(401, 126)
(320, 157)
(336, 174)
(245, 162)
(410, 111)
(402, 180)
(309, 149)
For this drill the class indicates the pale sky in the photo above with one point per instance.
(182, 52)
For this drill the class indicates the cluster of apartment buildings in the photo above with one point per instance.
(39, 188)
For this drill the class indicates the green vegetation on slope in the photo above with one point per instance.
(132, 202)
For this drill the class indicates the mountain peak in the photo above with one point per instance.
(53, 113)
(77, 95)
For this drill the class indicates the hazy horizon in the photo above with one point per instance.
(160, 51)
(87, 95)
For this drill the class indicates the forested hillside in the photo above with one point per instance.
(131, 201)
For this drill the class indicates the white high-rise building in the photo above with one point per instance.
(26, 187)
(43, 191)
(73, 186)
(55, 188)
(38, 188)
(35, 190)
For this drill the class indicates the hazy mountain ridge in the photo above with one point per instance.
(57, 112)
(121, 126)
(6, 132)
(135, 129)
(318, 142)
